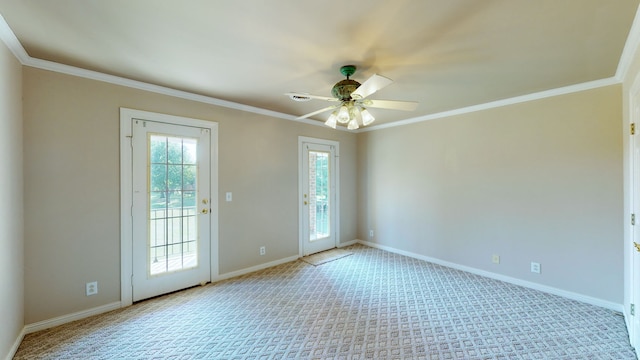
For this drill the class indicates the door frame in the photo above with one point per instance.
(127, 116)
(301, 213)
(632, 260)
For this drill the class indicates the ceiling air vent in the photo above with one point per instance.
(299, 97)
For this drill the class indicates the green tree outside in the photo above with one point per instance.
(173, 172)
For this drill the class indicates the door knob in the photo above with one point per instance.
(205, 211)
(637, 246)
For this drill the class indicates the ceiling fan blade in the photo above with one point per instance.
(373, 84)
(392, 104)
(317, 112)
(302, 96)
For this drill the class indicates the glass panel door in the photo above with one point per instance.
(319, 195)
(173, 228)
(318, 216)
(171, 207)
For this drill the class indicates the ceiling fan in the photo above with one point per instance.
(352, 102)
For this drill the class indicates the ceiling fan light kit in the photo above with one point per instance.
(332, 120)
(352, 98)
(367, 118)
(343, 114)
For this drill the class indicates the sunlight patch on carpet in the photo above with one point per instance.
(326, 256)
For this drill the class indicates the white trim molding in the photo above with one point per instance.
(16, 344)
(531, 285)
(127, 117)
(60, 320)
(302, 140)
(8, 37)
(500, 103)
(630, 48)
(254, 268)
(14, 45)
(348, 243)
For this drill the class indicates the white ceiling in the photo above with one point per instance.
(444, 54)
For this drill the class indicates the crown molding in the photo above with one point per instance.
(117, 80)
(14, 45)
(630, 48)
(500, 103)
(8, 37)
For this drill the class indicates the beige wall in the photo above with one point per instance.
(72, 187)
(537, 181)
(11, 215)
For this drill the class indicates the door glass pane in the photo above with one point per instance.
(173, 231)
(319, 195)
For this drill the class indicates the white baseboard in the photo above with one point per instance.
(548, 289)
(16, 344)
(349, 243)
(255, 268)
(30, 328)
(60, 320)
(271, 264)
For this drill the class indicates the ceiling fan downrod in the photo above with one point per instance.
(348, 70)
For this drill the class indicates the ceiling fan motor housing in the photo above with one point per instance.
(343, 89)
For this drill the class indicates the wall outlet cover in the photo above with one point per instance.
(535, 267)
(92, 288)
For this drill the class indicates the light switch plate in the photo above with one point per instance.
(229, 196)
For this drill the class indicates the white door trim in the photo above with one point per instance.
(126, 192)
(301, 141)
(631, 290)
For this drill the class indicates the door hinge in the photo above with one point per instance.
(633, 219)
(632, 309)
(633, 128)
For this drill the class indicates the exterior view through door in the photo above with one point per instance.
(319, 195)
(171, 207)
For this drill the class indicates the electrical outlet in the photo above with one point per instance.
(535, 267)
(92, 288)
(495, 259)
(263, 250)
(370, 234)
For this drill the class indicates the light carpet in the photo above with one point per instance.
(326, 256)
(370, 305)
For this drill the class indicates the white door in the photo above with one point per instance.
(171, 213)
(634, 329)
(633, 249)
(319, 195)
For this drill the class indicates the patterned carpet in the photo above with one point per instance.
(369, 305)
